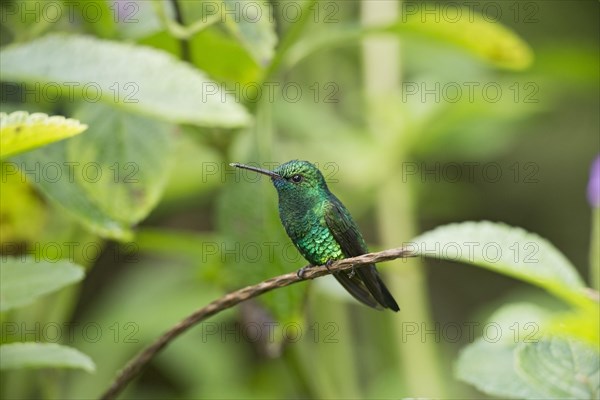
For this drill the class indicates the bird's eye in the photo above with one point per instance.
(297, 178)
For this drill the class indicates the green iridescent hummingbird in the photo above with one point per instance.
(323, 230)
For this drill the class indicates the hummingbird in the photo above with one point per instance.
(323, 230)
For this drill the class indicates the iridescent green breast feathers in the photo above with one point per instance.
(323, 230)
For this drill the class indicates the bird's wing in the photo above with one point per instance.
(346, 233)
(343, 229)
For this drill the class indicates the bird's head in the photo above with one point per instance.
(296, 179)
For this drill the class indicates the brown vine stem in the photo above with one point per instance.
(135, 365)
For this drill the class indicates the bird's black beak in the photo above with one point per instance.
(259, 170)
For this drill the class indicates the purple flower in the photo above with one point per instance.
(593, 189)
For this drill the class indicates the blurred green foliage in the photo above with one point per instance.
(491, 114)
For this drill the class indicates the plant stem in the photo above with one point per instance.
(595, 250)
(382, 74)
(288, 40)
(184, 45)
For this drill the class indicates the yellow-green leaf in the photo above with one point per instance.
(490, 41)
(21, 131)
(581, 323)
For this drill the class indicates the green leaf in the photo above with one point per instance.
(489, 41)
(489, 362)
(507, 250)
(562, 368)
(490, 368)
(135, 155)
(548, 368)
(22, 281)
(43, 355)
(134, 77)
(234, 64)
(21, 131)
(51, 171)
(111, 178)
(253, 26)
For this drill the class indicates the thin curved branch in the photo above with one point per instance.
(135, 365)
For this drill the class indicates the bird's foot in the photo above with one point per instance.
(300, 273)
(328, 265)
